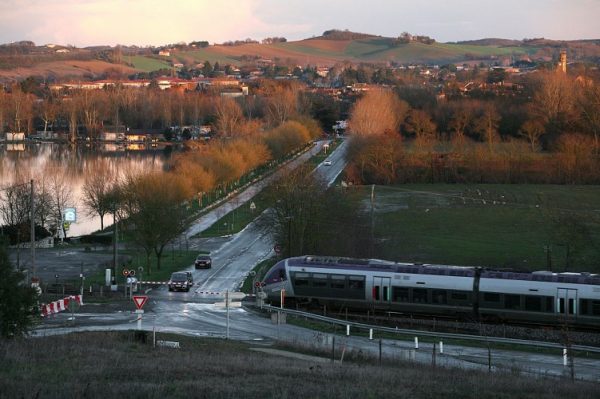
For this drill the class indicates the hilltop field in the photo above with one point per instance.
(326, 50)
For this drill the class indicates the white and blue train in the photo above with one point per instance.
(538, 297)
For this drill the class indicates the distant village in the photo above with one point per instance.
(341, 83)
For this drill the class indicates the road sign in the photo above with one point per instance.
(140, 301)
(277, 249)
(125, 272)
(70, 215)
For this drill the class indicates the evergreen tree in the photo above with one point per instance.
(18, 301)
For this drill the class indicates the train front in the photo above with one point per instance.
(276, 280)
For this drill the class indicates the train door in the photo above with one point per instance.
(381, 289)
(566, 302)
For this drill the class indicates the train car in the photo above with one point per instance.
(538, 297)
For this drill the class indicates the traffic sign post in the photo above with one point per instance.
(140, 301)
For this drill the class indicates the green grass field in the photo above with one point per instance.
(504, 226)
(147, 64)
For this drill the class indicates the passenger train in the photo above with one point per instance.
(538, 297)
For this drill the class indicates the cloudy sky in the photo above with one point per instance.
(156, 22)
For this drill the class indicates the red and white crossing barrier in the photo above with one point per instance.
(60, 305)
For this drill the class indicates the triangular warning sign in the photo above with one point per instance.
(140, 301)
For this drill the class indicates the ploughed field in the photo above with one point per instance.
(502, 226)
(103, 365)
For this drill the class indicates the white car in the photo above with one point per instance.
(327, 163)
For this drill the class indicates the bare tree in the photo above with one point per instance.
(532, 130)
(554, 101)
(21, 106)
(281, 104)
(420, 124)
(3, 109)
(61, 195)
(96, 192)
(15, 208)
(377, 112)
(154, 204)
(229, 117)
(47, 111)
(487, 125)
(43, 203)
(588, 103)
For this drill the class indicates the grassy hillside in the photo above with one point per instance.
(505, 226)
(147, 64)
(328, 52)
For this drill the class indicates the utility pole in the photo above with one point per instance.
(289, 218)
(32, 217)
(372, 219)
(548, 250)
(115, 243)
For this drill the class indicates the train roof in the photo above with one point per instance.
(332, 262)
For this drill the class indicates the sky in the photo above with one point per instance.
(159, 22)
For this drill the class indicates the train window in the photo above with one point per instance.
(512, 301)
(459, 296)
(319, 280)
(300, 279)
(356, 282)
(439, 296)
(596, 308)
(338, 281)
(583, 306)
(549, 304)
(533, 303)
(399, 294)
(419, 295)
(491, 297)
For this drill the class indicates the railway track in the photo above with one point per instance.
(454, 325)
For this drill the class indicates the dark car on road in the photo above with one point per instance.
(181, 281)
(203, 262)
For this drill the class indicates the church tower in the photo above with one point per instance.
(562, 65)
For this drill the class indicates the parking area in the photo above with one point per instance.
(61, 264)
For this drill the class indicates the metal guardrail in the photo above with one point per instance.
(467, 337)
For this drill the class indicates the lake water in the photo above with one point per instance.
(36, 160)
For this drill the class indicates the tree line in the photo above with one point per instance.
(552, 138)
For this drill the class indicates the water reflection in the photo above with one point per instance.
(39, 161)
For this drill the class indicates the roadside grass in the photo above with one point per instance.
(101, 365)
(234, 221)
(503, 226)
